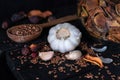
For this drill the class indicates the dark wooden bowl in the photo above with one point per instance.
(15, 36)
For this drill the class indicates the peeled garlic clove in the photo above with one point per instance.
(73, 55)
(104, 48)
(46, 55)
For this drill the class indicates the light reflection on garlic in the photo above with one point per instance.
(45, 56)
(74, 55)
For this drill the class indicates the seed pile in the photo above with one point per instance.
(23, 30)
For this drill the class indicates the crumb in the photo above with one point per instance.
(55, 76)
(18, 69)
(37, 78)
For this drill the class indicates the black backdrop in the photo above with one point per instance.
(59, 8)
(9, 7)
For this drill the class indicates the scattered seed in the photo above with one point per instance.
(37, 78)
(18, 69)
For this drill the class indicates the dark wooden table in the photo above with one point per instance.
(29, 71)
(41, 71)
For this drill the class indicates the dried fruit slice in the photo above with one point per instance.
(100, 22)
(34, 13)
(84, 13)
(91, 4)
(117, 8)
(93, 59)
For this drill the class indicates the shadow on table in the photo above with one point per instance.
(4, 70)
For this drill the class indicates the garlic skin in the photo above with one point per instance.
(74, 55)
(45, 56)
(64, 37)
(104, 48)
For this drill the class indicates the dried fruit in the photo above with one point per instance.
(33, 55)
(5, 25)
(101, 18)
(117, 8)
(35, 13)
(33, 47)
(34, 19)
(25, 50)
(34, 60)
(18, 16)
(93, 59)
(46, 14)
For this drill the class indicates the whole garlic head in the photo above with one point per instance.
(64, 37)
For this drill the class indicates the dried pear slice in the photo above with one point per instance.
(94, 59)
(91, 4)
(84, 13)
(102, 3)
(113, 23)
(34, 13)
(100, 22)
(117, 9)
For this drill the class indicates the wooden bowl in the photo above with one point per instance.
(24, 33)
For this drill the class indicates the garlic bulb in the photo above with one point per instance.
(46, 55)
(64, 37)
(73, 55)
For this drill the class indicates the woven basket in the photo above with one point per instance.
(24, 38)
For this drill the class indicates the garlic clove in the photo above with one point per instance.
(74, 41)
(45, 56)
(74, 55)
(51, 38)
(54, 45)
(61, 46)
(68, 46)
(104, 48)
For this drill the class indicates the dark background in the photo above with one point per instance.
(9, 7)
(59, 8)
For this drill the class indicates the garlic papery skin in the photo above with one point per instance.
(104, 48)
(45, 56)
(74, 55)
(64, 37)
